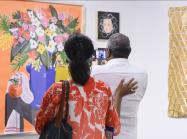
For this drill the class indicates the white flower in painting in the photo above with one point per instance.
(52, 27)
(31, 14)
(39, 31)
(35, 22)
(33, 44)
(51, 46)
(32, 34)
(39, 15)
(60, 47)
(52, 36)
(13, 30)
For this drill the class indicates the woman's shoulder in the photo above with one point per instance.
(102, 86)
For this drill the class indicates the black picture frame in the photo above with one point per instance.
(108, 24)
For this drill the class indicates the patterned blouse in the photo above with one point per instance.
(90, 109)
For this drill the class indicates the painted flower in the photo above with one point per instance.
(25, 26)
(52, 36)
(48, 32)
(61, 16)
(26, 35)
(35, 22)
(54, 20)
(25, 17)
(65, 36)
(32, 28)
(53, 27)
(45, 22)
(39, 31)
(59, 39)
(32, 54)
(41, 48)
(30, 14)
(33, 44)
(32, 34)
(14, 31)
(37, 65)
(51, 46)
(21, 40)
(60, 47)
(20, 31)
(40, 14)
(41, 38)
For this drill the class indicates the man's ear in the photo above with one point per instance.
(108, 54)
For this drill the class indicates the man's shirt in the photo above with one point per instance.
(111, 74)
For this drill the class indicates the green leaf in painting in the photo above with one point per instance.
(18, 48)
(4, 23)
(45, 59)
(53, 11)
(16, 15)
(63, 56)
(73, 23)
(19, 61)
(61, 26)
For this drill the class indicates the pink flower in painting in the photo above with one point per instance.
(25, 26)
(59, 39)
(45, 22)
(65, 36)
(20, 31)
(61, 16)
(32, 28)
(41, 38)
(21, 40)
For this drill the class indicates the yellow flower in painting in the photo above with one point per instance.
(41, 48)
(6, 41)
(48, 32)
(37, 65)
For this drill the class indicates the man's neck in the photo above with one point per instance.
(111, 57)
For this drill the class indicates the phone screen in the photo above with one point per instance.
(101, 53)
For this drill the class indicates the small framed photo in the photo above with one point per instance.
(108, 24)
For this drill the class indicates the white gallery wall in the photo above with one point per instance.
(146, 24)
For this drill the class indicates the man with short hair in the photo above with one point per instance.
(116, 69)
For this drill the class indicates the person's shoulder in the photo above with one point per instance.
(102, 86)
(97, 69)
(137, 69)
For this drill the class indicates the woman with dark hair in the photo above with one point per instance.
(90, 101)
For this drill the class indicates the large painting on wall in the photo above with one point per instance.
(32, 36)
(177, 85)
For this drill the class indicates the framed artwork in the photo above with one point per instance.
(108, 24)
(32, 36)
(177, 77)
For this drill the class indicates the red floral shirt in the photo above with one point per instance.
(90, 109)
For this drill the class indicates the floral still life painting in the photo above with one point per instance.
(32, 37)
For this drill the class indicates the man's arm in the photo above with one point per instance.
(122, 90)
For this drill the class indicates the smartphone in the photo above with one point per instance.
(101, 54)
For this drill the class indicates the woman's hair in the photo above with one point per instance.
(79, 50)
